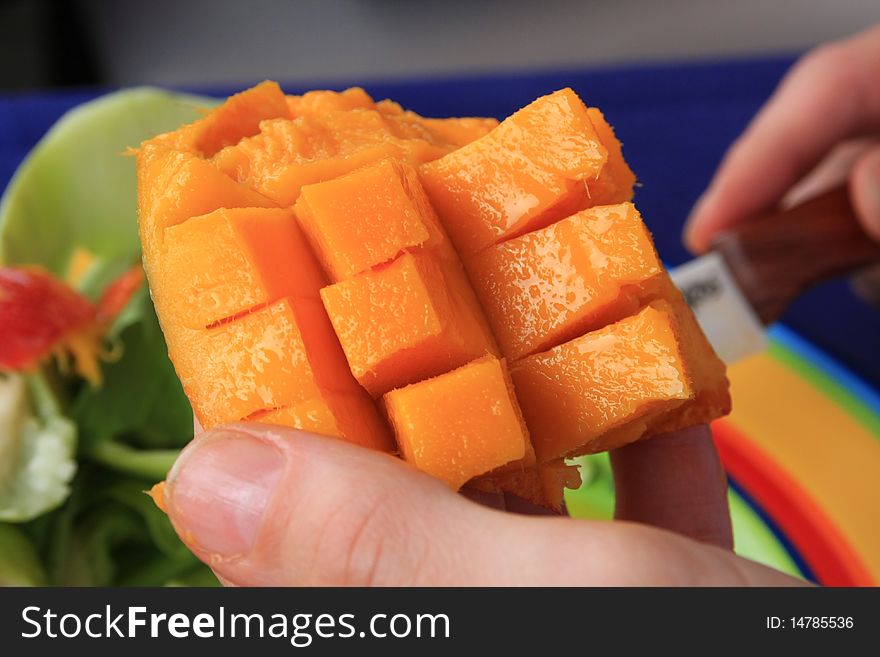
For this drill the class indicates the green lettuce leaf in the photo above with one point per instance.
(19, 562)
(77, 190)
(110, 533)
(36, 449)
(140, 404)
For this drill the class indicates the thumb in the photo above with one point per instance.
(266, 505)
(865, 190)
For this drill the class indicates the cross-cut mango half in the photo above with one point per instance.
(480, 297)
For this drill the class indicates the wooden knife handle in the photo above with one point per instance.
(777, 257)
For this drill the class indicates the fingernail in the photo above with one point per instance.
(688, 236)
(220, 489)
(872, 193)
(867, 286)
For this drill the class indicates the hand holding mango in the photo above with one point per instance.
(275, 478)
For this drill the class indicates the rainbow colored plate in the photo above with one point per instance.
(802, 453)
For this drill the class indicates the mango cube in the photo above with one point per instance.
(401, 323)
(350, 416)
(575, 393)
(280, 355)
(551, 285)
(364, 219)
(616, 180)
(258, 256)
(460, 424)
(707, 371)
(519, 176)
(176, 185)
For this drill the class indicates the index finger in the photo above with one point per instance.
(829, 96)
(674, 482)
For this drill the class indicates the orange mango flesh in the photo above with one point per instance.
(553, 284)
(319, 102)
(279, 355)
(460, 132)
(309, 254)
(401, 305)
(240, 117)
(510, 181)
(454, 131)
(157, 494)
(575, 393)
(283, 183)
(316, 146)
(706, 370)
(400, 323)
(350, 416)
(460, 424)
(616, 180)
(258, 256)
(361, 220)
(174, 186)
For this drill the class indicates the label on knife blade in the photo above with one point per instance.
(722, 310)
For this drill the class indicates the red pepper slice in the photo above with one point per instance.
(36, 312)
(41, 315)
(117, 295)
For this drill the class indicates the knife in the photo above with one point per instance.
(754, 271)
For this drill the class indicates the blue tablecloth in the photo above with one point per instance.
(676, 121)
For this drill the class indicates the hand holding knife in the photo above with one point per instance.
(755, 271)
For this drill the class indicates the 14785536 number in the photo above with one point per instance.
(822, 622)
(810, 622)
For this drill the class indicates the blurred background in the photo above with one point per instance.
(46, 43)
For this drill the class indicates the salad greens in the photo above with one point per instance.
(138, 418)
(76, 192)
(36, 449)
(19, 562)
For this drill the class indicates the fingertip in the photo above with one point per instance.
(700, 225)
(865, 190)
(867, 285)
(674, 481)
(693, 238)
(220, 488)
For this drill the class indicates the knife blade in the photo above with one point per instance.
(755, 271)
